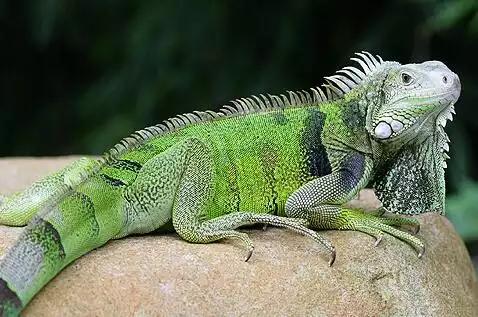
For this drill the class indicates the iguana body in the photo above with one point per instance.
(286, 161)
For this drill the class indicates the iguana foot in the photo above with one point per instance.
(376, 226)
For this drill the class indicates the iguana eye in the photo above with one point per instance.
(406, 79)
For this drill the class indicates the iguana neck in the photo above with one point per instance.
(409, 179)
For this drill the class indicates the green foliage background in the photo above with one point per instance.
(76, 76)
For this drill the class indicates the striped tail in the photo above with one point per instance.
(55, 237)
(36, 257)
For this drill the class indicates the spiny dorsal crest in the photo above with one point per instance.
(335, 87)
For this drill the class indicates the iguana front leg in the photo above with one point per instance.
(321, 201)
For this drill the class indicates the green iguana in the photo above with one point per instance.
(288, 161)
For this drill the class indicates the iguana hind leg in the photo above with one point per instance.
(321, 201)
(194, 195)
(19, 208)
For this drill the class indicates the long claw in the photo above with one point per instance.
(249, 254)
(421, 252)
(332, 258)
(378, 240)
(264, 227)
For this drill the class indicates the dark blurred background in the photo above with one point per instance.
(76, 76)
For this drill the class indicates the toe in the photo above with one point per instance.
(332, 257)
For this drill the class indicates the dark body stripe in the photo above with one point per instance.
(113, 181)
(120, 173)
(352, 171)
(126, 165)
(318, 163)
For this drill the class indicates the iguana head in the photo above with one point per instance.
(415, 100)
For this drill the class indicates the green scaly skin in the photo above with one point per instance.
(289, 162)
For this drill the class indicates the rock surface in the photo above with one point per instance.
(288, 274)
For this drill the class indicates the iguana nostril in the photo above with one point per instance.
(445, 79)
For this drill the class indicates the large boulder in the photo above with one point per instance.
(287, 275)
